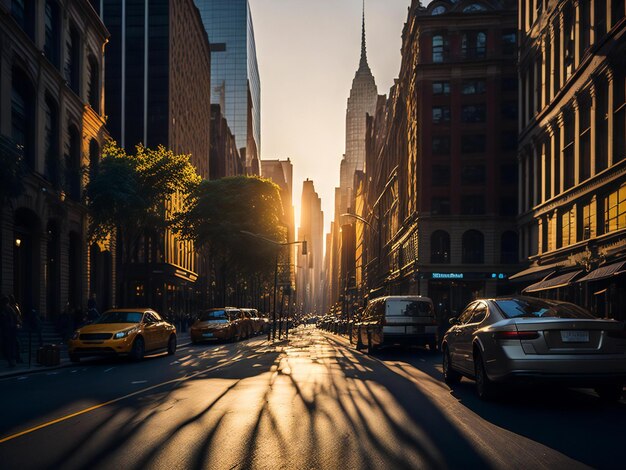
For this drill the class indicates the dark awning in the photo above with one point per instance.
(555, 282)
(604, 272)
(535, 272)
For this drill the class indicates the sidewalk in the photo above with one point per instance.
(23, 368)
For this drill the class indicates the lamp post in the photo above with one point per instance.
(272, 333)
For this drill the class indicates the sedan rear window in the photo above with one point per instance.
(120, 317)
(539, 308)
(213, 315)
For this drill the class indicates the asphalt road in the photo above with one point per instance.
(310, 404)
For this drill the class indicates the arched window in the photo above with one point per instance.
(474, 45)
(94, 84)
(72, 59)
(473, 247)
(440, 48)
(94, 158)
(52, 36)
(23, 115)
(72, 164)
(440, 247)
(508, 248)
(51, 141)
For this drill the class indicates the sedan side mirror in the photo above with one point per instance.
(453, 321)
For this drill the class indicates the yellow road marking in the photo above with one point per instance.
(102, 405)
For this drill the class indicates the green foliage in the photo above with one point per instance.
(128, 192)
(220, 210)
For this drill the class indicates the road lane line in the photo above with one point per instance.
(102, 405)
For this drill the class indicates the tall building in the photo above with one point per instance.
(309, 267)
(362, 101)
(158, 85)
(51, 129)
(235, 82)
(442, 197)
(224, 159)
(572, 152)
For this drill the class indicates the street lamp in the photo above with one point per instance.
(272, 333)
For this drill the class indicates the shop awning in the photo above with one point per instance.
(555, 282)
(604, 272)
(535, 272)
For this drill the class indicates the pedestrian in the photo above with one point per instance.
(8, 327)
(20, 322)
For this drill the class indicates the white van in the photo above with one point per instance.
(398, 319)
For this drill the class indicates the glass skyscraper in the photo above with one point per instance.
(235, 83)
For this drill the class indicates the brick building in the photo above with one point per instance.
(572, 152)
(52, 117)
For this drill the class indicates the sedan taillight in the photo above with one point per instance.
(521, 335)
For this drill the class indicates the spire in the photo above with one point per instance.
(363, 62)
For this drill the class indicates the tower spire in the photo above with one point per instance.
(363, 62)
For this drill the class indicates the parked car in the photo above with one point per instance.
(123, 332)
(397, 320)
(495, 341)
(257, 322)
(220, 324)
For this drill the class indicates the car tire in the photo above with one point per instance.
(74, 358)
(485, 388)
(171, 345)
(138, 350)
(610, 393)
(450, 376)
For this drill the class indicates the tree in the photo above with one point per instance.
(128, 193)
(219, 211)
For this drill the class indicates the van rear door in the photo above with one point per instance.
(409, 316)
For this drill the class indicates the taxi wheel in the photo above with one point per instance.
(171, 345)
(138, 350)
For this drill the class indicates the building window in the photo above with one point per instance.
(441, 145)
(72, 164)
(94, 84)
(509, 110)
(440, 247)
(52, 36)
(509, 248)
(23, 115)
(599, 16)
(568, 228)
(473, 250)
(23, 12)
(602, 125)
(615, 210)
(51, 141)
(617, 11)
(585, 26)
(508, 174)
(619, 115)
(508, 206)
(568, 150)
(473, 175)
(473, 143)
(569, 38)
(94, 159)
(473, 113)
(473, 87)
(588, 220)
(441, 175)
(440, 48)
(584, 152)
(440, 206)
(547, 156)
(473, 204)
(474, 45)
(509, 42)
(441, 88)
(72, 60)
(441, 114)
(508, 140)
(509, 84)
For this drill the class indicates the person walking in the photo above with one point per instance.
(20, 322)
(8, 327)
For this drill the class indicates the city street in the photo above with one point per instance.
(311, 402)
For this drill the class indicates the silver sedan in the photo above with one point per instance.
(495, 341)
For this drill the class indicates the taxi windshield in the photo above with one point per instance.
(213, 315)
(120, 317)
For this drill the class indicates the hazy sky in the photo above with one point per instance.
(308, 53)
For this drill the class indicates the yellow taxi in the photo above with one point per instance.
(123, 332)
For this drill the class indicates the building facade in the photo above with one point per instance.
(442, 197)
(52, 119)
(572, 152)
(158, 86)
(224, 159)
(235, 82)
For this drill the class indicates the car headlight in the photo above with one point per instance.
(124, 334)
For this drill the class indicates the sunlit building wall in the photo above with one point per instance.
(572, 151)
(235, 82)
(52, 118)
